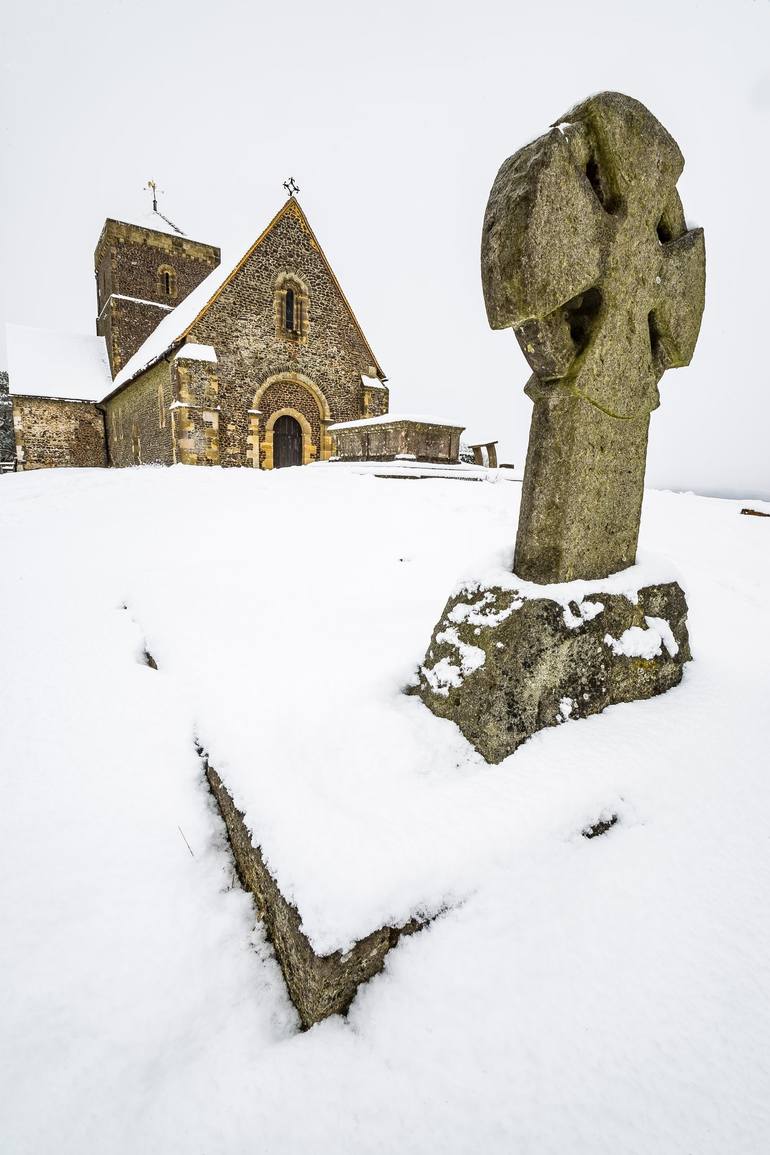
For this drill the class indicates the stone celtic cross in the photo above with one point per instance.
(586, 254)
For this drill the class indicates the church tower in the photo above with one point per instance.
(142, 273)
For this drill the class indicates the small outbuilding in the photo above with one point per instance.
(57, 381)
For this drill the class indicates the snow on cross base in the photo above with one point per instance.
(601, 995)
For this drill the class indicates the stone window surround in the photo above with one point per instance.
(286, 280)
(163, 272)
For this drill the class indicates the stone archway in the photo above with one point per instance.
(293, 395)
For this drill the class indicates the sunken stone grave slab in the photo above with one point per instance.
(319, 985)
(505, 663)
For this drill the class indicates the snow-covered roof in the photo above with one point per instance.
(192, 352)
(389, 418)
(173, 325)
(151, 220)
(479, 437)
(371, 382)
(44, 363)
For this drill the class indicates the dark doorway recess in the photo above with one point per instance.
(287, 442)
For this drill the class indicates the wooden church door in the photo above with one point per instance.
(287, 442)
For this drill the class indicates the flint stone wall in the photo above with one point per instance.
(139, 420)
(54, 433)
(319, 985)
(503, 665)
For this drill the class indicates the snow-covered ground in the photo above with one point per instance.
(610, 995)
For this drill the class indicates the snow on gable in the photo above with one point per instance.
(172, 327)
(43, 363)
(193, 352)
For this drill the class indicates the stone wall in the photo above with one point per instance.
(7, 439)
(375, 397)
(139, 420)
(51, 433)
(132, 262)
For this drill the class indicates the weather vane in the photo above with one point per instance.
(291, 186)
(153, 188)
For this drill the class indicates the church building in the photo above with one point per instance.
(195, 362)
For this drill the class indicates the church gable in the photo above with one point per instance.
(289, 347)
(286, 266)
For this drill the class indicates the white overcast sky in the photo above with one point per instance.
(394, 118)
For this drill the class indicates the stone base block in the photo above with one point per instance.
(504, 663)
(319, 985)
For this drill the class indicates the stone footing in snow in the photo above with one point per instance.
(319, 985)
(504, 664)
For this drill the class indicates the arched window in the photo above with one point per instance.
(166, 282)
(292, 307)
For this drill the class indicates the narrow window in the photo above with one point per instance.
(166, 283)
(290, 308)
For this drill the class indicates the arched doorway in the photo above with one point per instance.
(287, 442)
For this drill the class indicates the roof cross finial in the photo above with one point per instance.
(291, 186)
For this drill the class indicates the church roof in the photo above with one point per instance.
(152, 219)
(175, 327)
(44, 363)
